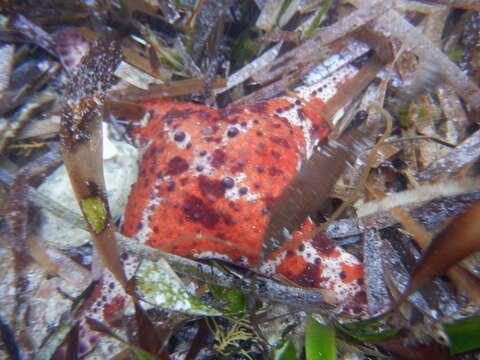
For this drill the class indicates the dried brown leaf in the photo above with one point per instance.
(460, 239)
(72, 343)
(416, 351)
(8, 340)
(33, 33)
(268, 15)
(459, 4)
(169, 88)
(210, 18)
(396, 276)
(10, 127)
(423, 239)
(6, 63)
(70, 47)
(375, 287)
(124, 109)
(457, 121)
(134, 58)
(141, 5)
(102, 328)
(413, 40)
(310, 53)
(55, 262)
(251, 68)
(465, 281)
(82, 147)
(16, 211)
(27, 93)
(150, 337)
(16, 214)
(40, 130)
(471, 58)
(455, 160)
(419, 195)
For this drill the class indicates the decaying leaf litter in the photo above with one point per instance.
(422, 178)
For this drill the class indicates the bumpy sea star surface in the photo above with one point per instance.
(209, 178)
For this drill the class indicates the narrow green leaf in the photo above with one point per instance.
(456, 55)
(318, 18)
(464, 335)
(368, 330)
(236, 299)
(158, 284)
(140, 354)
(319, 341)
(286, 351)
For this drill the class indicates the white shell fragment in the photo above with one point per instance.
(120, 169)
(160, 286)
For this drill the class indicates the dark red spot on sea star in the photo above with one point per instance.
(259, 107)
(301, 114)
(215, 188)
(228, 182)
(273, 171)
(261, 149)
(179, 136)
(359, 298)
(197, 211)
(228, 220)
(269, 201)
(177, 165)
(308, 277)
(218, 158)
(238, 167)
(276, 154)
(323, 244)
(279, 141)
(171, 186)
(232, 132)
(234, 206)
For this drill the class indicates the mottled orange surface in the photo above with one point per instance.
(209, 178)
(246, 153)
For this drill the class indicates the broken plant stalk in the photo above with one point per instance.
(82, 148)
